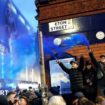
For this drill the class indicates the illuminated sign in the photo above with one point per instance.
(60, 25)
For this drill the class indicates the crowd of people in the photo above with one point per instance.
(21, 97)
(87, 79)
(30, 98)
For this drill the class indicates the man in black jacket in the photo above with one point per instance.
(100, 67)
(75, 74)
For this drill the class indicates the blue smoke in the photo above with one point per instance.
(21, 55)
(65, 43)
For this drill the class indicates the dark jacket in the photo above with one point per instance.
(100, 67)
(75, 75)
(90, 74)
(3, 100)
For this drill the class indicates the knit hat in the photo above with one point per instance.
(71, 62)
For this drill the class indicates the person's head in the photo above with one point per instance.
(79, 94)
(30, 88)
(74, 64)
(56, 100)
(100, 100)
(88, 103)
(23, 100)
(88, 64)
(11, 97)
(102, 58)
(85, 101)
(32, 95)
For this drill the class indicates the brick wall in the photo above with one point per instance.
(97, 49)
(65, 9)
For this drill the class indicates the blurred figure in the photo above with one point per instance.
(90, 80)
(85, 101)
(77, 98)
(23, 100)
(75, 102)
(56, 100)
(34, 98)
(3, 100)
(100, 67)
(12, 98)
(82, 100)
(30, 89)
(32, 95)
(100, 100)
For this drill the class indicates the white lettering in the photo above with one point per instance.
(3, 92)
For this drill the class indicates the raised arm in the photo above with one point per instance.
(93, 59)
(81, 63)
(63, 66)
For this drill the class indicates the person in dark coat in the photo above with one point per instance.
(90, 80)
(75, 75)
(100, 67)
(3, 100)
